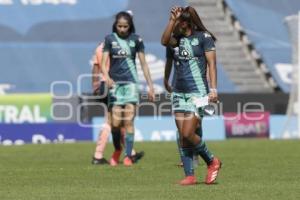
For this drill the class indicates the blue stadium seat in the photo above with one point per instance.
(263, 21)
(49, 43)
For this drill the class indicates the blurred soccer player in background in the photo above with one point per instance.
(120, 48)
(192, 50)
(100, 89)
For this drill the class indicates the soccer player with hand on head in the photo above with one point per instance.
(191, 47)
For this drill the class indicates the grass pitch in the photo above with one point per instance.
(252, 169)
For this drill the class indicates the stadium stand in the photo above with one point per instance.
(39, 50)
(263, 22)
(233, 51)
(47, 47)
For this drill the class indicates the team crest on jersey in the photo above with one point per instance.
(195, 42)
(114, 44)
(131, 43)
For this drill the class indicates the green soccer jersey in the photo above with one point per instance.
(122, 56)
(190, 62)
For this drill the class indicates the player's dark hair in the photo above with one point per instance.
(190, 15)
(127, 17)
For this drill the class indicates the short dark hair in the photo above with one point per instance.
(126, 16)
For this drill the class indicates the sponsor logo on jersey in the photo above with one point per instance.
(122, 52)
(184, 54)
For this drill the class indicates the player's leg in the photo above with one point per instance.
(114, 104)
(135, 155)
(129, 114)
(213, 163)
(178, 108)
(180, 164)
(196, 155)
(116, 119)
(106, 128)
(205, 154)
(116, 127)
(186, 154)
(101, 144)
(187, 150)
(130, 100)
(178, 120)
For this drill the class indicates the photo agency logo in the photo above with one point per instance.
(162, 105)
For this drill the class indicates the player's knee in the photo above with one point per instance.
(186, 135)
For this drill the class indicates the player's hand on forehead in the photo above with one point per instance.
(176, 12)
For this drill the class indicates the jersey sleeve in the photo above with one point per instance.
(140, 44)
(107, 44)
(208, 42)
